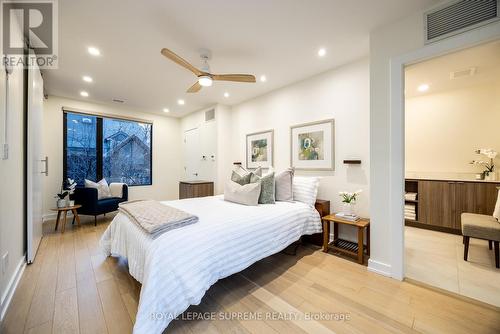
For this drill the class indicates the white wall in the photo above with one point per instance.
(389, 42)
(166, 149)
(12, 224)
(444, 129)
(342, 94)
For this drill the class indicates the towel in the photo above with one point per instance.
(156, 218)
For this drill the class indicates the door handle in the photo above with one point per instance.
(195, 174)
(46, 161)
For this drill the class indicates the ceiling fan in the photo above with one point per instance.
(205, 78)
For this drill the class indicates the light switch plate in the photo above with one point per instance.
(5, 152)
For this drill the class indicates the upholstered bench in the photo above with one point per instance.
(481, 227)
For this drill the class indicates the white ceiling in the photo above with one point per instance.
(435, 72)
(278, 38)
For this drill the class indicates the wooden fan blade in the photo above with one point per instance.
(234, 77)
(175, 58)
(194, 88)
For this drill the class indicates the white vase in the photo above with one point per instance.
(61, 203)
(491, 176)
(348, 208)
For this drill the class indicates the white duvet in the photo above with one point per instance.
(177, 268)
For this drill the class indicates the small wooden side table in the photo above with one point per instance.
(345, 246)
(65, 211)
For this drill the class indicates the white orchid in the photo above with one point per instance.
(348, 197)
(490, 153)
(489, 165)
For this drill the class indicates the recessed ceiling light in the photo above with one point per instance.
(84, 93)
(166, 110)
(86, 78)
(94, 51)
(263, 78)
(181, 102)
(423, 88)
(226, 94)
(322, 52)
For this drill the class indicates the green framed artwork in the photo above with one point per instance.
(312, 145)
(260, 149)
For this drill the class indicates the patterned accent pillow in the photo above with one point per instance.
(240, 179)
(101, 186)
(267, 187)
(284, 185)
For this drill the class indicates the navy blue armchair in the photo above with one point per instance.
(87, 198)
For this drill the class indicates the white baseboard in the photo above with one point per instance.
(379, 268)
(11, 287)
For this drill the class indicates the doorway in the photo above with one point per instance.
(451, 116)
(192, 154)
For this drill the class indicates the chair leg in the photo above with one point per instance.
(490, 244)
(95, 220)
(466, 247)
(497, 260)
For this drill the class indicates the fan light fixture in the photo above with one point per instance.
(423, 88)
(204, 77)
(205, 80)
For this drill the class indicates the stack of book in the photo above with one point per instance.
(410, 212)
(347, 216)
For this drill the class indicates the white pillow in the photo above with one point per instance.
(284, 185)
(247, 194)
(305, 189)
(101, 186)
(496, 213)
(116, 189)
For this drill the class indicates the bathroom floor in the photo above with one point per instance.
(436, 259)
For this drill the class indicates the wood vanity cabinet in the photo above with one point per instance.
(441, 203)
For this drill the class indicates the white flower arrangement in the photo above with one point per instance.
(350, 198)
(489, 165)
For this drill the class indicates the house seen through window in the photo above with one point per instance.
(101, 147)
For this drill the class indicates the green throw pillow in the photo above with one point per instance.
(267, 187)
(241, 179)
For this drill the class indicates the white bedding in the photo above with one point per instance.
(177, 268)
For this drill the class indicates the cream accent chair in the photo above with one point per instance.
(481, 227)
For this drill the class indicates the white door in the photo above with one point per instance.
(37, 165)
(192, 154)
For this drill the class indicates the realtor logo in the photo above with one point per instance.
(31, 24)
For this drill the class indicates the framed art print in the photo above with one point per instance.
(260, 149)
(312, 145)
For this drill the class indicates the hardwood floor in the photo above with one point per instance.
(73, 288)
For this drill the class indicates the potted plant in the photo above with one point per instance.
(489, 172)
(67, 188)
(349, 200)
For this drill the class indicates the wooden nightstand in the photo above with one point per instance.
(345, 246)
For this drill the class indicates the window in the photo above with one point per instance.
(101, 147)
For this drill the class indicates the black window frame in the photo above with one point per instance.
(99, 144)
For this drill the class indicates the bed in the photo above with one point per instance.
(178, 267)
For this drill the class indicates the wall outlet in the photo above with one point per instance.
(5, 262)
